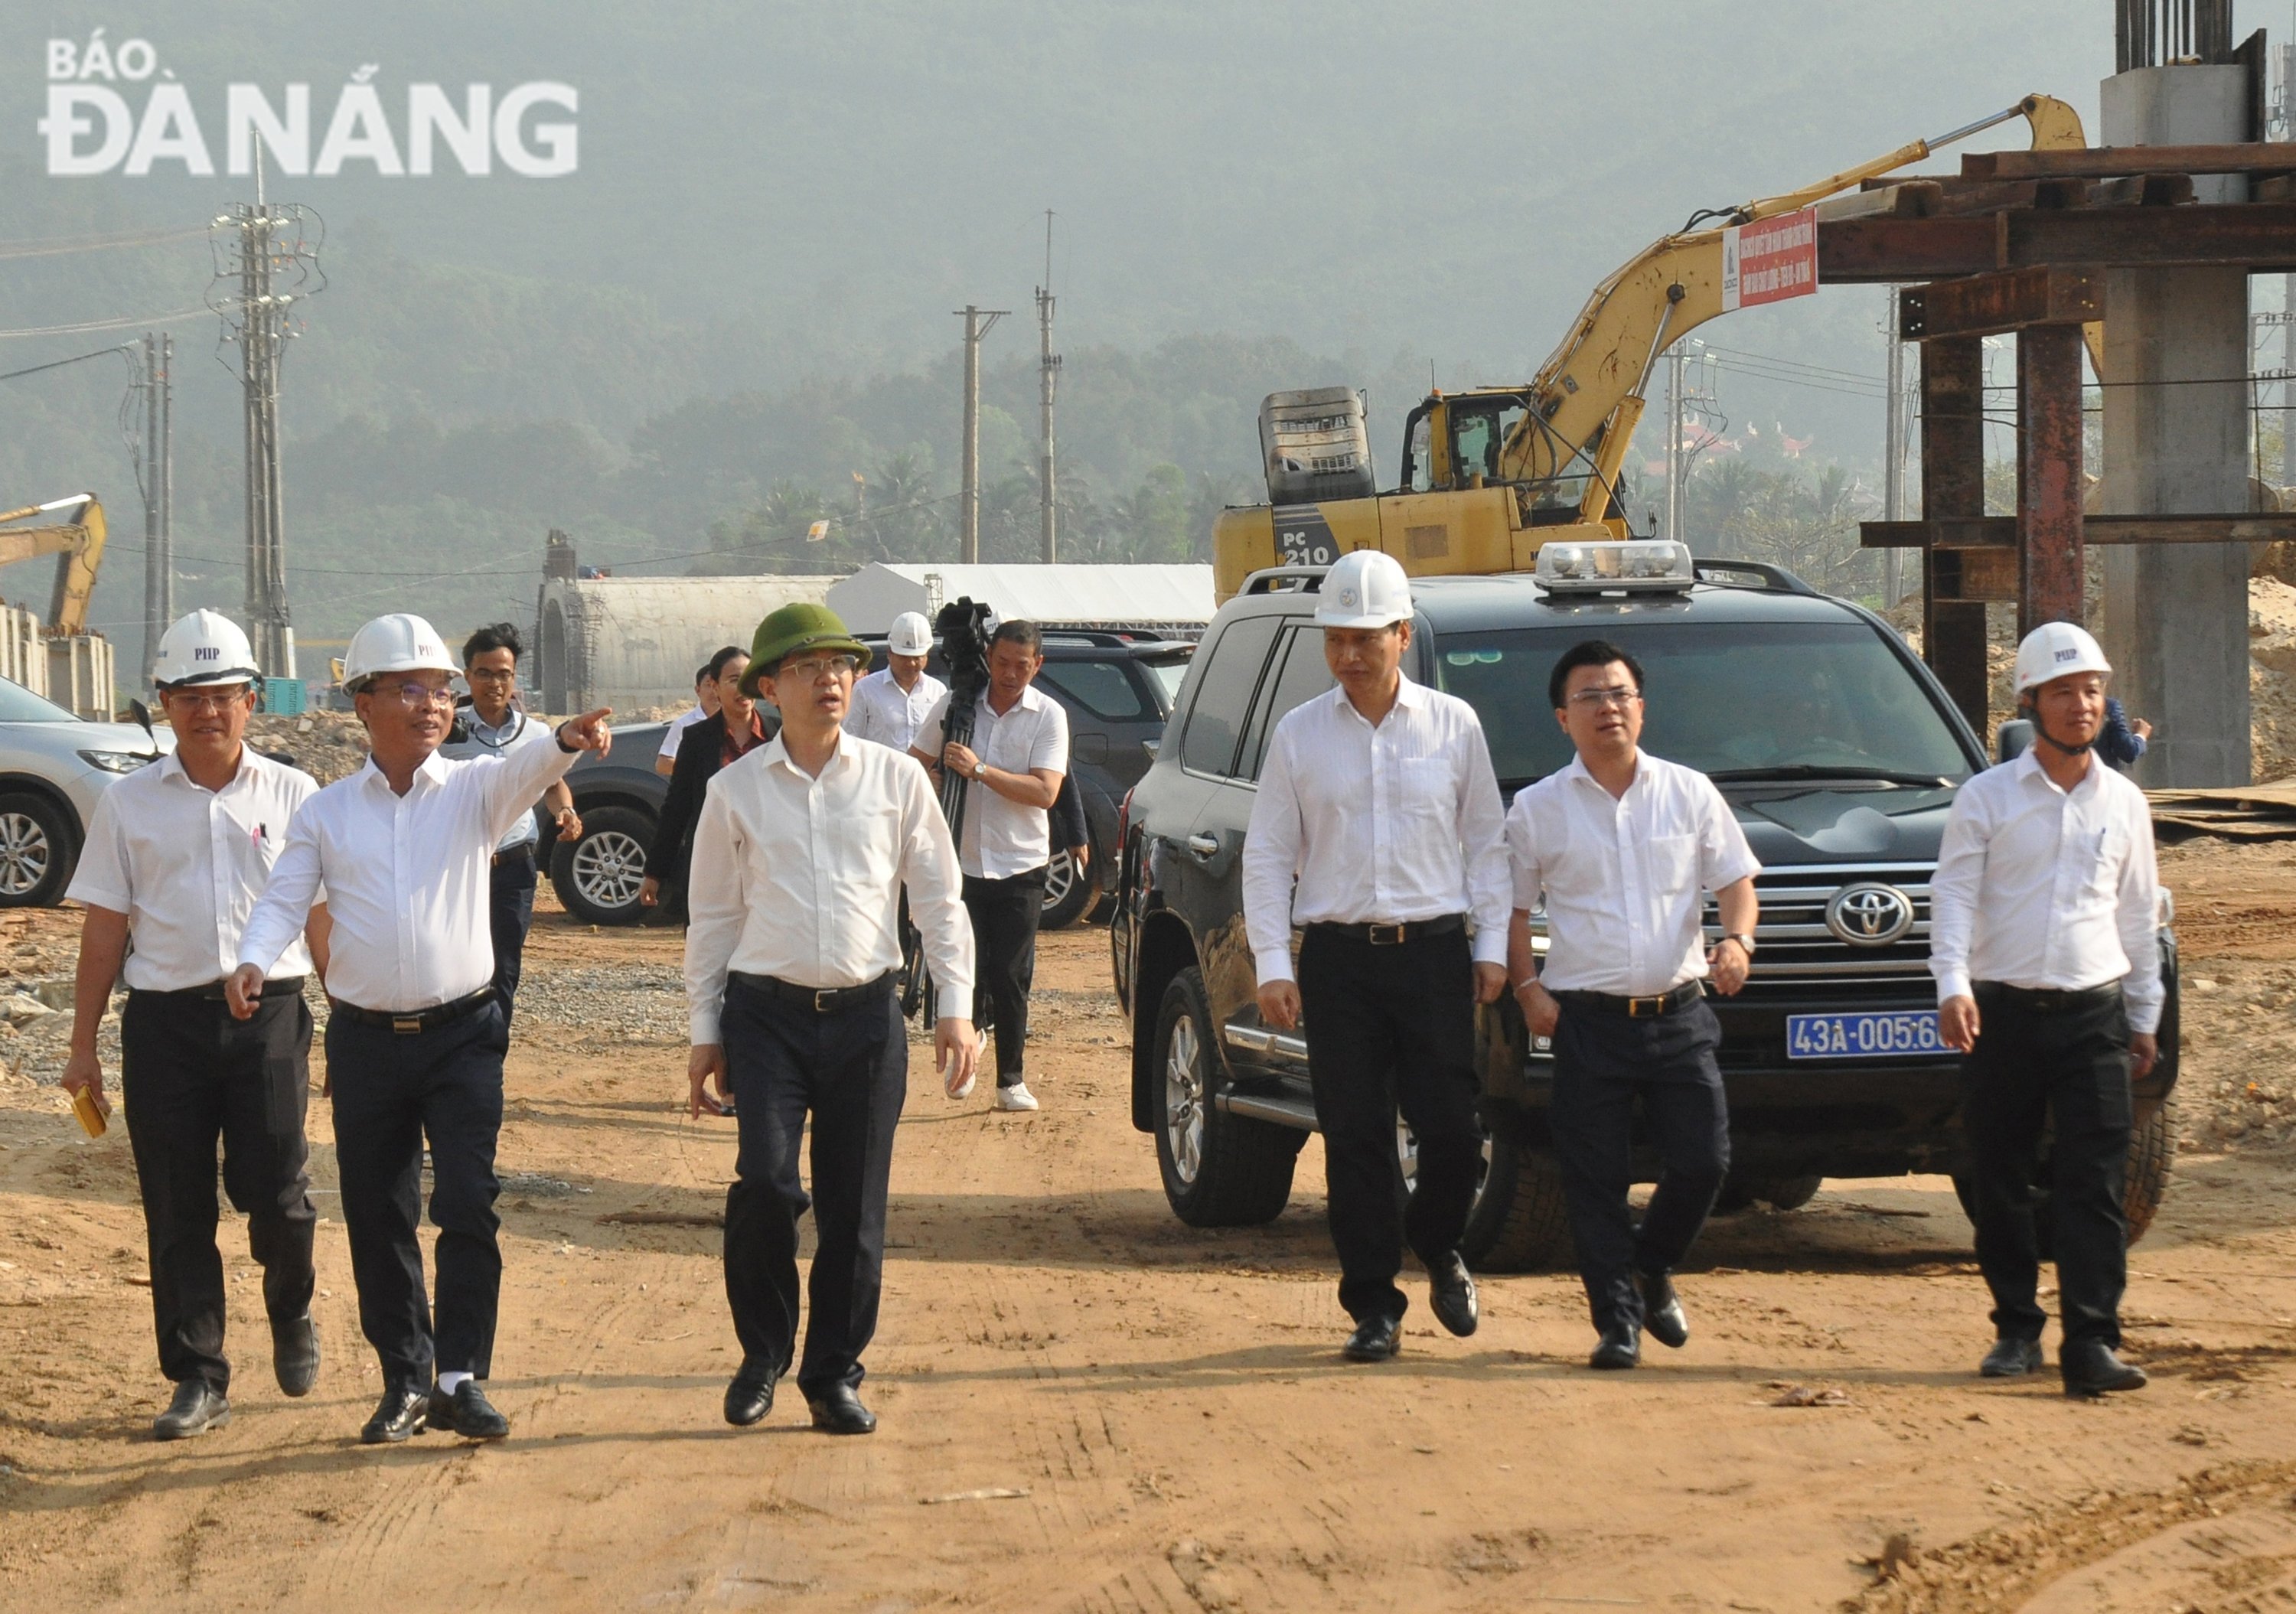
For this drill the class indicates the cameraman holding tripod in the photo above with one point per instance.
(1017, 750)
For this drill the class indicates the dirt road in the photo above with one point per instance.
(1088, 1407)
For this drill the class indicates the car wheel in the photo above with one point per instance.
(598, 876)
(1519, 1223)
(2152, 1161)
(1220, 1170)
(1067, 893)
(37, 852)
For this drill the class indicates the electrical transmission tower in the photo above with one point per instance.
(977, 325)
(266, 261)
(1049, 374)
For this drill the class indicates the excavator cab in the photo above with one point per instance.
(1459, 442)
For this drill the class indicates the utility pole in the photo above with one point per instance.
(1674, 404)
(978, 322)
(1048, 371)
(157, 477)
(1893, 449)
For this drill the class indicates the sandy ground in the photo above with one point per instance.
(1088, 1407)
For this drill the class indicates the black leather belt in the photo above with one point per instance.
(286, 986)
(1393, 936)
(1636, 1008)
(821, 1000)
(408, 1022)
(2042, 1000)
(517, 854)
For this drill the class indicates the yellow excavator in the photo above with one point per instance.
(1491, 474)
(76, 540)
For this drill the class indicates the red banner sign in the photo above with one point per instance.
(1769, 261)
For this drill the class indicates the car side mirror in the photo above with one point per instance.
(2013, 740)
(142, 714)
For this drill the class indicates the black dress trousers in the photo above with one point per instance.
(189, 1073)
(510, 914)
(1604, 1062)
(1391, 1027)
(390, 1092)
(1004, 916)
(850, 1069)
(2066, 1066)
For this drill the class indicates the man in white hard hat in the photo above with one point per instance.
(2043, 938)
(177, 853)
(889, 704)
(1378, 797)
(416, 1035)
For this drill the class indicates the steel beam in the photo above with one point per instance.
(1988, 304)
(2051, 572)
(2111, 162)
(1953, 485)
(2260, 237)
(2000, 532)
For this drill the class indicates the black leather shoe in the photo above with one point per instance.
(467, 1413)
(295, 1354)
(403, 1410)
(1451, 1291)
(750, 1397)
(841, 1412)
(2011, 1359)
(1621, 1346)
(1374, 1340)
(1663, 1315)
(2092, 1369)
(198, 1408)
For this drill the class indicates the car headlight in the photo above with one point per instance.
(117, 762)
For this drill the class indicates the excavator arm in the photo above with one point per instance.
(1587, 396)
(78, 544)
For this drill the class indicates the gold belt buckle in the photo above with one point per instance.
(1384, 936)
(820, 999)
(406, 1025)
(1645, 1008)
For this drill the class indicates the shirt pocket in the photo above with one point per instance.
(1425, 789)
(1673, 864)
(2111, 856)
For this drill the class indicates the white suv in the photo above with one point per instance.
(53, 767)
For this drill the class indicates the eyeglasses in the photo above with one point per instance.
(1596, 700)
(508, 674)
(208, 700)
(412, 694)
(813, 670)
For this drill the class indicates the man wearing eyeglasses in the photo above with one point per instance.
(1617, 849)
(791, 959)
(177, 853)
(417, 1032)
(493, 725)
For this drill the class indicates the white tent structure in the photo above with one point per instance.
(1170, 599)
(633, 643)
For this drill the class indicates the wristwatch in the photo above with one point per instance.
(979, 769)
(1743, 940)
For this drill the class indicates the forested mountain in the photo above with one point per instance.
(741, 297)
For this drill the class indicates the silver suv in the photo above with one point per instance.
(53, 767)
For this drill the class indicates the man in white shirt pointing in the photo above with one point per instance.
(789, 966)
(416, 1033)
(1617, 848)
(1379, 798)
(2044, 940)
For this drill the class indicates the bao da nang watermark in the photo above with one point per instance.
(119, 110)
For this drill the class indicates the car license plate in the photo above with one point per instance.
(1867, 1035)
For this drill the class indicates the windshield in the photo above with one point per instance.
(1168, 676)
(20, 705)
(1808, 699)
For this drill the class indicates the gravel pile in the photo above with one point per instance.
(2237, 1089)
(616, 1003)
(326, 745)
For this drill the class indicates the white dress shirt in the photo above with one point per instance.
(805, 878)
(673, 736)
(516, 732)
(890, 715)
(1002, 838)
(407, 876)
(1381, 825)
(2041, 888)
(187, 864)
(1622, 879)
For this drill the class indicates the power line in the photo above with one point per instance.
(56, 245)
(78, 358)
(124, 322)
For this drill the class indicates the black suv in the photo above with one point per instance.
(1836, 748)
(1117, 691)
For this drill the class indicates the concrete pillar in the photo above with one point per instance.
(2176, 615)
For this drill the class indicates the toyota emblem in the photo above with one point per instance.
(1869, 914)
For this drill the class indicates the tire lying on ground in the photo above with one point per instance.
(1220, 1170)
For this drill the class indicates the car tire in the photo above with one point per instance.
(38, 850)
(1220, 1170)
(2151, 1161)
(1785, 1193)
(1519, 1222)
(1067, 895)
(597, 877)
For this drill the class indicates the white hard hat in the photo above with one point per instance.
(911, 635)
(1366, 589)
(2056, 648)
(205, 647)
(395, 643)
